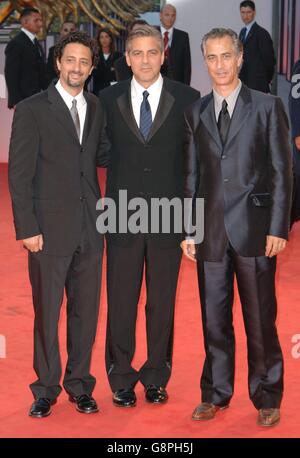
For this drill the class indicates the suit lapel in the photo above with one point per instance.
(90, 114)
(166, 103)
(251, 33)
(240, 113)
(125, 107)
(208, 117)
(60, 111)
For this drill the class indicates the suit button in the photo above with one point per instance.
(81, 174)
(226, 180)
(82, 198)
(147, 170)
(223, 156)
(81, 150)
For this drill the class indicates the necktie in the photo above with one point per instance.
(37, 46)
(75, 117)
(224, 122)
(166, 44)
(243, 34)
(145, 116)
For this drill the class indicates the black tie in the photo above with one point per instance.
(224, 122)
(38, 48)
(145, 116)
(243, 34)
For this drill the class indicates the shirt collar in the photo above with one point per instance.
(230, 99)
(68, 98)
(29, 34)
(137, 89)
(248, 26)
(163, 30)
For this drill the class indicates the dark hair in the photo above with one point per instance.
(136, 22)
(28, 11)
(247, 3)
(221, 33)
(145, 30)
(112, 42)
(82, 38)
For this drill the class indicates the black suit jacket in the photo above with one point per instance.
(179, 63)
(52, 177)
(259, 59)
(246, 185)
(50, 67)
(25, 71)
(152, 168)
(104, 73)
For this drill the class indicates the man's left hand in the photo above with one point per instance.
(274, 246)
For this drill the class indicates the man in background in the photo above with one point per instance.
(259, 57)
(176, 46)
(25, 71)
(66, 28)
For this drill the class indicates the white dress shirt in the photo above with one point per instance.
(170, 31)
(81, 104)
(153, 99)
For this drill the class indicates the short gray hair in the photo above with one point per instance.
(221, 33)
(144, 31)
(168, 5)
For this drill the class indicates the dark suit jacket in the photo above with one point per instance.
(50, 68)
(259, 59)
(246, 185)
(25, 72)
(104, 73)
(152, 168)
(52, 177)
(179, 63)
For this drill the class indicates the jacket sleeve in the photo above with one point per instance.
(187, 62)
(12, 72)
(104, 143)
(280, 162)
(191, 172)
(266, 50)
(23, 154)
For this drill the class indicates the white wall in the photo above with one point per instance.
(197, 17)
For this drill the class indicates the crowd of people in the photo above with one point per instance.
(158, 139)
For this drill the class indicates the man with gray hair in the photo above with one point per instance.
(238, 160)
(145, 128)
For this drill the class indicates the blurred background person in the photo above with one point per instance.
(66, 28)
(25, 71)
(104, 74)
(177, 46)
(259, 57)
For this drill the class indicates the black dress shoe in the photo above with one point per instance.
(85, 403)
(41, 407)
(156, 394)
(124, 398)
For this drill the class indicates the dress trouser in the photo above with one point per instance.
(256, 285)
(125, 266)
(80, 275)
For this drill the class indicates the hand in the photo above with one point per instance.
(297, 142)
(274, 246)
(34, 244)
(189, 249)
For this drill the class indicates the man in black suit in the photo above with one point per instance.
(66, 28)
(238, 160)
(57, 140)
(145, 129)
(259, 57)
(176, 46)
(25, 72)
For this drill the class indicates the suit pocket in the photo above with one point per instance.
(261, 199)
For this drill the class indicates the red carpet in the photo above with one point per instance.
(172, 420)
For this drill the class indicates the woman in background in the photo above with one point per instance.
(104, 74)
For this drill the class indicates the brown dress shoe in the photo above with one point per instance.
(206, 411)
(268, 417)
